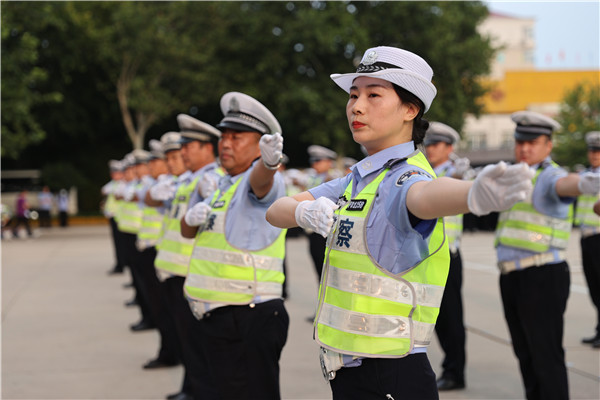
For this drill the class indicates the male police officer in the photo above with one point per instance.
(198, 151)
(235, 277)
(439, 146)
(589, 224)
(110, 209)
(531, 239)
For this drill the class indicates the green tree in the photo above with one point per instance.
(579, 114)
(22, 83)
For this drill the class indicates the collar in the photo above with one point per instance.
(375, 162)
(442, 167)
(204, 169)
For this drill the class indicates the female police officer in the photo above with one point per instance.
(387, 259)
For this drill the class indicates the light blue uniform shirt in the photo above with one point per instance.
(246, 226)
(445, 169)
(546, 201)
(391, 239)
(209, 169)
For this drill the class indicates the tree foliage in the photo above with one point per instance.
(122, 71)
(579, 114)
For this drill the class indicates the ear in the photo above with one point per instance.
(412, 111)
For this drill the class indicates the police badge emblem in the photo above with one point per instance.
(370, 58)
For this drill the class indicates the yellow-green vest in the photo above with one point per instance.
(363, 309)
(523, 227)
(130, 218)
(221, 273)
(150, 230)
(110, 205)
(586, 218)
(453, 224)
(174, 250)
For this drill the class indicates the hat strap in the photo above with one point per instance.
(249, 118)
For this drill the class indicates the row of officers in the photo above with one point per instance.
(201, 218)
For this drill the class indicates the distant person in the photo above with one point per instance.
(63, 206)
(589, 225)
(22, 214)
(45, 205)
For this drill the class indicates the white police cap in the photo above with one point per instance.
(401, 67)
(129, 160)
(156, 149)
(439, 132)
(141, 156)
(192, 129)
(246, 114)
(115, 165)
(592, 139)
(317, 153)
(171, 141)
(531, 124)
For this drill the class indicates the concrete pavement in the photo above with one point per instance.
(65, 331)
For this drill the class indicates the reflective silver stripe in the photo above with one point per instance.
(383, 287)
(163, 275)
(218, 222)
(534, 237)
(175, 236)
(174, 258)
(153, 218)
(539, 219)
(236, 258)
(233, 286)
(358, 245)
(144, 243)
(532, 261)
(391, 326)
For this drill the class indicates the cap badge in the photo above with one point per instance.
(370, 58)
(234, 105)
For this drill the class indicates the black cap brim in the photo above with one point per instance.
(525, 136)
(235, 126)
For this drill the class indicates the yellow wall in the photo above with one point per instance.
(519, 89)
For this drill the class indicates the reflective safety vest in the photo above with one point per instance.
(130, 218)
(523, 227)
(363, 309)
(222, 273)
(174, 250)
(453, 224)
(588, 221)
(150, 230)
(110, 205)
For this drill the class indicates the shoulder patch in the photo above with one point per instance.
(409, 174)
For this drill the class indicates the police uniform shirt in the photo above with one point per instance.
(594, 170)
(147, 183)
(546, 201)
(445, 169)
(389, 217)
(209, 169)
(245, 225)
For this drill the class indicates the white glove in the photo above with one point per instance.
(128, 193)
(271, 149)
(207, 186)
(197, 215)
(164, 190)
(461, 166)
(589, 183)
(498, 187)
(316, 215)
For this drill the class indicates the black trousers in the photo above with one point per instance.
(119, 257)
(534, 301)
(449, 327)
(244, 345)
(156, 299)
(45, 218)
(317, 244)
(198, 378)
(21, 221)
(131, 256)
(590, 258)
(410, 377)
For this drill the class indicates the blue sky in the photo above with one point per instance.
(567, 33)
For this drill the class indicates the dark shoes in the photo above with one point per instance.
(142, 326)
(450, 384)
(594, 341)
(131, 303)
(115, 271)
(158, 363)
(180, 396)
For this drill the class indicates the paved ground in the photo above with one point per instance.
(65, 330)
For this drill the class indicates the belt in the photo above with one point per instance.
(536, 260)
